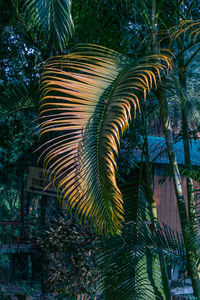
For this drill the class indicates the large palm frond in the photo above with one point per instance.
(189, 27)
(101, 25)
(136, 206)
(48, 20)
(131, 274)
(138, 211)
(132, 264)
(197, 214)
(191, 173)
(193, 233)
(19, 97)
(89, 96)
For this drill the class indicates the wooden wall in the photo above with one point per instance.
(166, 201)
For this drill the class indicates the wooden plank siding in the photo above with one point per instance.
(166, 201)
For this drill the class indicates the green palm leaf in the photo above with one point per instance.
(89, 96)
(19, 97)
(48, 20)
(133, 274)
(191, 173)
(131, 264)
(192, 28)
(136, 206)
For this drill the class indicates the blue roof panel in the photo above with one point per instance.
(158, 153)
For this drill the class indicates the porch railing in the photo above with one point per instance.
(14, 234)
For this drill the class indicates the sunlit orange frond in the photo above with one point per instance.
(89, 96)
(190, 27)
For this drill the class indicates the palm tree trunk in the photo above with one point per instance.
(152, 201)
(187, 154)
(166, 122)
(162, 261)
(151, 198)
(148, 168)
(150, 193)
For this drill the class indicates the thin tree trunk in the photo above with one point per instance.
(151, 199)
(162, 261)
(148, 168)
(150, 193)
(149, 182)
(166, 122)
(187, 154)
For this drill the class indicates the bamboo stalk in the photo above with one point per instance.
(185, 226)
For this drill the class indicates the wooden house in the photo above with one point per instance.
(163, 184)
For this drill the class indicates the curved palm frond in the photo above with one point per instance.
(197, 207)
(47, 20)
(88, 99)
(133, 274)
(191, 173)
(136, 206)
(190, 27)
(138, 211)
(193, 234)
(131, 263)
(19, 97)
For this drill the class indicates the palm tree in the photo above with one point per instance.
(90, 95)
(98, 89)
(190, 236)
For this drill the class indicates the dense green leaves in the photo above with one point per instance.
(47, 20)
(88, 99)
(133, 263)
(70, 257)
(19, 97)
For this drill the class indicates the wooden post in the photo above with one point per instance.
(44, 255)
(44, 206)
(22, 199)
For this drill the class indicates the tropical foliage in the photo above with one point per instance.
(96, 92)
(71, 267)
(131, 263)
(47, 21)
(98, 84)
